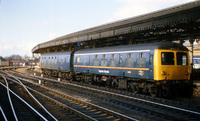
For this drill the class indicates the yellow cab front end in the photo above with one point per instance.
(171, 65)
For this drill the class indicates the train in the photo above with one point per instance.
(160, 69)
(196, 61)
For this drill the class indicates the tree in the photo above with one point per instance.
(14, 57)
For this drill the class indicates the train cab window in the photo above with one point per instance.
(182, 58)
(167, 58)
(103, 60)
(112, 61)
(129, 60)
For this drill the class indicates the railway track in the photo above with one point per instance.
(125, 104)
(85, 110)
(14, 107)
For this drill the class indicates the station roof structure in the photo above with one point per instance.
(181, 22)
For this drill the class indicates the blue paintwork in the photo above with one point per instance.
(56, 61)
(109, 71)
(68, 60)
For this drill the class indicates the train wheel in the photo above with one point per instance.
(48, 73)
(59, 74)
(54, 73)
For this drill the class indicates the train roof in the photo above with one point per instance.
(135, 47)
(57, 53)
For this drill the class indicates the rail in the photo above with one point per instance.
(13, 110)
(4, 116)
(63, 105)
(128, 97)
(9, 90)
(87, 103)
(33, 97)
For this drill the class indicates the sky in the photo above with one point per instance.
(26, 23)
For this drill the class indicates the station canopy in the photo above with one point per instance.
(180, 23)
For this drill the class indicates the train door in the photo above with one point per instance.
(150, 66)
(65, 62)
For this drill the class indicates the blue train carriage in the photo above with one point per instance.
(57, 63)
(121, 61)
(150, 68)
(196, 62)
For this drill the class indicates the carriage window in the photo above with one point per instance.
(167, 58)
(89, 59)
(120, 59)
(129, 60)
(140, 55)
(52, 60)
(104, 60)
(141, 60)
(84, 60)
(181, 58)
(128, 55)
(55, 60)
(96, 61)
(112, 61)
(65, 60)
(61, 61)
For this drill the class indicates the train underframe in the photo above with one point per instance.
(162, 88)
